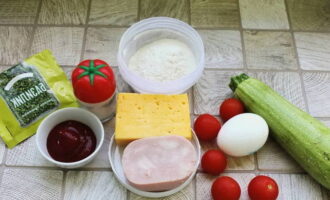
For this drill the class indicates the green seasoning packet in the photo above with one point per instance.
(30, 91)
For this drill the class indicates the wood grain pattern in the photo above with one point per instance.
(241, 163)
(169, 8)
(309, 15)
(14, 44)
(214, 13)
(93, 185)
(269, 50)
(223, 48)
(103, 43)
(121, 85)
(26, 154)
(3, 68)
(63, 12)
(233, 163)
(272, 157)
(317, 87)
(313, 50)
(204, 183)
(287, 84)
(31, 184)
(263, 14)
(211, 90)
(187, 193)
(114, 12)
(297, 186)
(64, 42)
(18, 11)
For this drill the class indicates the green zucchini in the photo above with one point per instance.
(305, 138)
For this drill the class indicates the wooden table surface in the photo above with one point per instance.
(285, 43)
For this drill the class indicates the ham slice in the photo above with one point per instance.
(159, 163)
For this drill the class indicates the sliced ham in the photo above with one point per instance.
(159, 163)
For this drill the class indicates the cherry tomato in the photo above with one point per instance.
(207, 127)
(230, 107)
(225, 188)
(263, 188)
(214, 162)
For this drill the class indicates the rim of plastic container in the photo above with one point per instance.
(143, 85)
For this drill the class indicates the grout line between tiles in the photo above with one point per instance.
(138, 10)
(194, 182)
(68, 25)
(192, 111)
(2, 165)
(274, 171)
(83, 46)
(63, 184)
(297, 57)
(241, 30)
(288, 172)
(128, 194)
(281, 172)
(243, 50)
(104, 169)
(189, 11)
(127, 26)
(323, 118)
(2, 170)
(315, 71)
(249, 70)
(265, 70)
(256, 165)
(34, 28)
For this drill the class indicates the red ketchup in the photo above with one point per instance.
(71, 141)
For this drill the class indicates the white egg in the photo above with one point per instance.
(243, 134)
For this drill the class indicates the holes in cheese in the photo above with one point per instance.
(145, 115)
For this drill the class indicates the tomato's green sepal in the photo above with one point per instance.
(91, 71)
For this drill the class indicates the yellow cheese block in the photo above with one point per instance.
(144, 115)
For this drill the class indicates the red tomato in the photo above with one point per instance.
(93, 81)
(263, 188)
(214, 162)
(225, 188)
(207, 127)
(230, 107)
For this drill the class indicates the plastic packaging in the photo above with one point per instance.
(29, 91)
(150, 30)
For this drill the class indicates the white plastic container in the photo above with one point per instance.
(150, 30)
